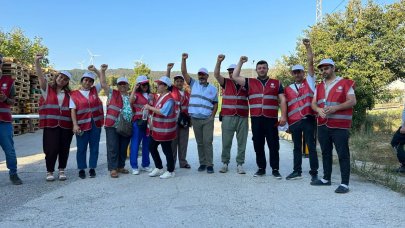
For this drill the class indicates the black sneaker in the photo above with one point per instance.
(401, 169)
(202, 168)
(260, 172)
(82, 174)
(293, 176)
(314, 178)
(320, 183)
(92, 173)
(15, 179)
(276, 174)
(210, 169)
(342, 189)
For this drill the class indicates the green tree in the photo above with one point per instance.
(367, 44)
(139, 69)
(15, 44)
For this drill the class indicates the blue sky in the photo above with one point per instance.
(159, 31)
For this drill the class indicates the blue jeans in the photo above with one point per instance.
(137, 137)
(91, 138)
(7, 144)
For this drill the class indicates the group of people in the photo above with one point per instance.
(164, 118)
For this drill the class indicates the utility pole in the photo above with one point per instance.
(318, 11)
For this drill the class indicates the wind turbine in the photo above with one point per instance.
(81, 64)
(139, 60)
(91, 60)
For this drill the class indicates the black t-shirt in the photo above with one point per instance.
(280, 89)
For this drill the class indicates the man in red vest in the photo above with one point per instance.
(265, 97)
(301, 117)
(234, 112)
(7, 94)
(333, 101)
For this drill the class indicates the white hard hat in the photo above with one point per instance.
(89, 75)
(122, 79)
(165, 80)
(66, 73)
(141, 79)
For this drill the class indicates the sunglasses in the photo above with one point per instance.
(122, 83)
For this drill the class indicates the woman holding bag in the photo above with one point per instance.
(118, 110)
(140, 96)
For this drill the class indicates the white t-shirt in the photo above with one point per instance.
(310, 80)
(85, 93)
(330, 86)
(61, 95)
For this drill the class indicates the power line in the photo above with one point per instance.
(338, 6)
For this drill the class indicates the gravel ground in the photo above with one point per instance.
(189, 199)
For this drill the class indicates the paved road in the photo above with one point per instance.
(190, 199)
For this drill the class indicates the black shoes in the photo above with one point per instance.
(210, 169)
(260, 172)
(321, 183)
(82, 174)
(276, 174)
(294, 176)
(15, 179)
(92, 173)
(314, 178)
(342, 189)
(202, 168)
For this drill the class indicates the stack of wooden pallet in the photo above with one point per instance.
(27, 94)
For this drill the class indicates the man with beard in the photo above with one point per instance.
(202, 109)
(333, 101)
(234, 112)
(301, 117)
(265, 97)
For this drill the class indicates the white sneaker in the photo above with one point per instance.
(62, 175)
(50, 177)
(156, 172)
(240, 169)
(167, 175)
(224, 168)
(146, 169)
(135, 171)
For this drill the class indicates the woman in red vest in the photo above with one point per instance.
(117, 104)
(140, 96)
(88, 118)
(162, 128)
(55, 119)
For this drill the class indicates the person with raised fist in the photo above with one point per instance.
(202, 109)
(55, 119)
(265, 97)
(301, 117)
(181, 98)
(88, 119)
(234, 112)
(118, 106)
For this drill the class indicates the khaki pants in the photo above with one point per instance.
(230, 125)
(204, 135)
(179, 145)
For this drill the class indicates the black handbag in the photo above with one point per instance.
(184, 120)
(142, 124)
(124, 127)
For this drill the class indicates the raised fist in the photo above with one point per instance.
(243, 59)
(170, 66)
(104, 67)
(306, 42)
(39, 57)
(221, 58)
(92, 68)
(184, 56)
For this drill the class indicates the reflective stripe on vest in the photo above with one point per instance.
(337, 95)
(6, 83)
(114, 108)
(201, 99)
(163, 128)
(234, 100)
(298, 102)
(52, 115)
(263, 100)
(87, 109)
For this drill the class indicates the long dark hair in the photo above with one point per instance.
(54, 86)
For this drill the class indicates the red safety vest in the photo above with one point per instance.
(163, 128)
(87, 109)
(234, 101)
(181, 101)
(337, 95)
(299, 103)
(263, 100)
(52, 115)
(137, 106)
(114, 108)
(6, 82)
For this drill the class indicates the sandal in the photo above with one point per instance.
(186, 166)
(113, 173)
(123, 170)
